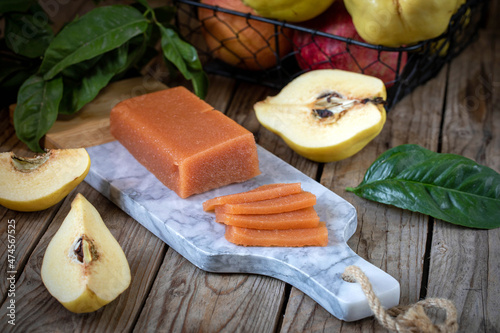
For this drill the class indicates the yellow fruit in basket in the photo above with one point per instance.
(441, 46)
(289, 10)
(402, 22)
(247, 44)
(326, 115)
(32, 184)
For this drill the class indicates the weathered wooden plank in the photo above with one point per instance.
(493, 24)
(38, 311)
(388, 237)
(493, 160)
(220, 91)
(29, 228)
(464, 264)
(187, 299)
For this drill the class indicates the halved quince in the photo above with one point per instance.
(32, 184)
(84, 267)
(326, 115)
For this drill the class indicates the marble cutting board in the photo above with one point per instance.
(183, 225)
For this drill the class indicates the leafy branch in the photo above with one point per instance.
(58, 74)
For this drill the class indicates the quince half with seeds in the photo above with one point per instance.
(32, 184)
(326, 115)
(84, 267)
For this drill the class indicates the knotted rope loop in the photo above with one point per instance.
(405, 319)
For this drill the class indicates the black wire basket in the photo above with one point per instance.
(284, 60)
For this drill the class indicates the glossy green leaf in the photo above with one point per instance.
(184, 56)
(445, 186)
(37, 108)
(96, 78)
(99, 31)
(79, 70)
(27, 35)
(138, 46)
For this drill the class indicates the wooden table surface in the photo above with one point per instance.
(457, 112)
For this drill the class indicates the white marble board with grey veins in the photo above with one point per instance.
(192, 232)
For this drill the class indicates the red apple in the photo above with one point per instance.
(316, 52)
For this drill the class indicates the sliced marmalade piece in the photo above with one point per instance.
(288, 237)
(297, 219)
(263, 192)
(283, 204)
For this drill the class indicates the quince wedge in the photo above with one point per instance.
(326, 115)
(33, 184)
(289, 10)
(401, 22)
(84, 267)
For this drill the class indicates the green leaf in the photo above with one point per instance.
(99, 31)
(95, 79)
(27, 35)
(37, 108)
(7, 6)
(138, 47)
(445, 186)
(77, 71)
(200, 83)
(184, 56)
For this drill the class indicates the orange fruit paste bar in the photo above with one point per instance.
(271, 206)
(289, 237)
(263, 192)
(297, 219)
(184, 142)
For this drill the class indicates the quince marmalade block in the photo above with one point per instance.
(187, 144)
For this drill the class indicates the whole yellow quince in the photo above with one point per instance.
(289, 10)
(401, 22)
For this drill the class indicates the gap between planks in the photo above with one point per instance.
(430, 223)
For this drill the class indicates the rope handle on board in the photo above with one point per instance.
(407, 319)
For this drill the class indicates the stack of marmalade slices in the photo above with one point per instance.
(271, 215)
